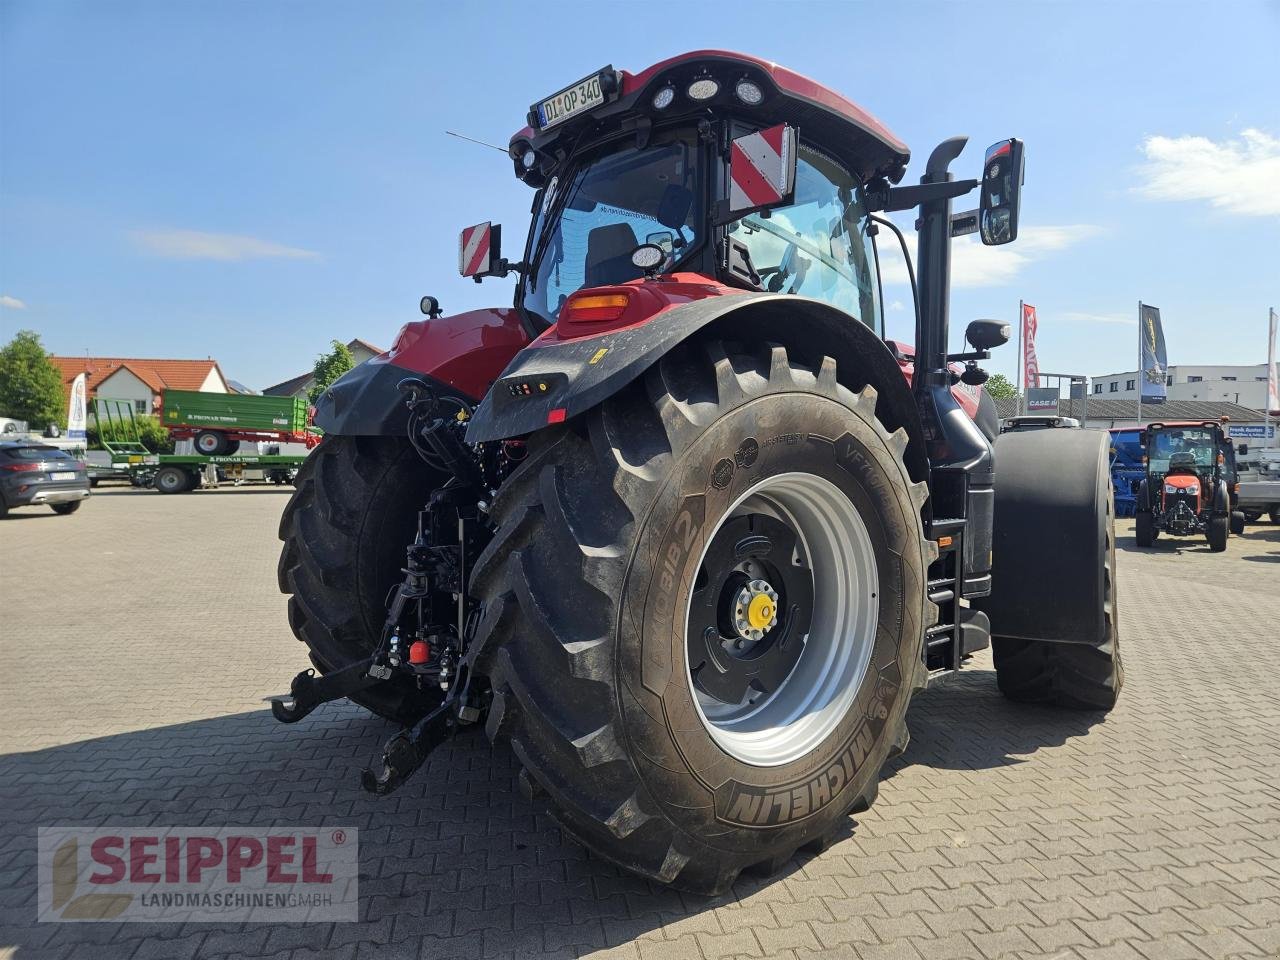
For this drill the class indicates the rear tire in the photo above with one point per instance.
(604, 540)
(172, 480)
(65, 509)
(231, 447)
(1144, 529)
(1237, 523)
(1274, 514)
(1217, 534)
(345, 531)
(210, 443)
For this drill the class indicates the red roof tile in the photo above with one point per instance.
(156, 374)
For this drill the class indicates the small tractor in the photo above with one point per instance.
(679, 524)
(1186, 490)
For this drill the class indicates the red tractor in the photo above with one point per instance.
(679, 524)
(1188, 484)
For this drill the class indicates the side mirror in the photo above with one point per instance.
(480, 251)
(1243, 449)
(1001, 192)
(988, 334)
(762, 170)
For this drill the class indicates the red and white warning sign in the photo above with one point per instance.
(762, 168)
(474, 244)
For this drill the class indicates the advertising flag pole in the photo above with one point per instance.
(1140, 372)
(1022, 361)
(1271, 380)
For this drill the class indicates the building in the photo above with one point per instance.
(140, 381)
(1099, 413)
(1243, 385)
(300, 386)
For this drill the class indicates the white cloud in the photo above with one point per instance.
(1237, 176)
(973, 265)
(897, 306)
(12, 303)
(198, 245)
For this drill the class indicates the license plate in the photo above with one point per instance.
(571, 101)
(63, 475)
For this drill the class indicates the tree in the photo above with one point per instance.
(1000, 388)
(30, 385)
(329, 367)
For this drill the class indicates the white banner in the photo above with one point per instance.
(77, 418)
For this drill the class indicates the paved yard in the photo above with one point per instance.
(139, 636)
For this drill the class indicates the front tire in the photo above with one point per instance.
(1217, 534)
(345, 531)
(593, 640)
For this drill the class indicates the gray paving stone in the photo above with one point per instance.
(1004, 831)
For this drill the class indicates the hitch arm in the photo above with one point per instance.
(309, 691)
(407, 750)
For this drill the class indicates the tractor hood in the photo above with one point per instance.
(692, 84)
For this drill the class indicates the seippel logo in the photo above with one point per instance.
(185, 874)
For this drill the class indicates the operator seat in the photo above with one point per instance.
(609, 251)
(1183, 462)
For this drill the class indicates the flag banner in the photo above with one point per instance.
(76, 417)
(1030, 365)
(1153, 357)
(1273, 389)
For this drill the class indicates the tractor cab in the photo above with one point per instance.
(1185, 490)
(711, 169)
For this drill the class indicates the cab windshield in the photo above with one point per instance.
(1184, 445)
(588, 226)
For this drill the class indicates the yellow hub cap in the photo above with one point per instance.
(760, 612)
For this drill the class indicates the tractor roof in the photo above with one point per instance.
(825, 118)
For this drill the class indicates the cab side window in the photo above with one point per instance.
(818, 246)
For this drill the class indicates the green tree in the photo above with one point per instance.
(329, 367)
(1000, 388)
(30, 385)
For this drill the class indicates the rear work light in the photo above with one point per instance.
(595, 306)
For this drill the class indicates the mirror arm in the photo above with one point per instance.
(503, 269)
(890, 199)
(965, 357)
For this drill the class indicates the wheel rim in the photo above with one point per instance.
(798, 678)
(207, 443)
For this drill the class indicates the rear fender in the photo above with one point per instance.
(459, 355)
(554, 380)
(1050, 543)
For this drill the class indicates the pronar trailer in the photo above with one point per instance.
(218, 422)
(120, 436)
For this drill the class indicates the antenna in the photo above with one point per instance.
(482, 143)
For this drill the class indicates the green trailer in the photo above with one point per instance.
(218, 422)
(177, 473)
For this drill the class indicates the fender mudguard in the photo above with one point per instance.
(1050, 537)
(553, 380)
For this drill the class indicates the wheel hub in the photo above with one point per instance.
(749, 614)
(755, 612)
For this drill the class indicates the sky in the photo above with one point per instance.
(248, 181)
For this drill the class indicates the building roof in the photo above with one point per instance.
(1120, 410)
(287, 388)
(156, 374)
